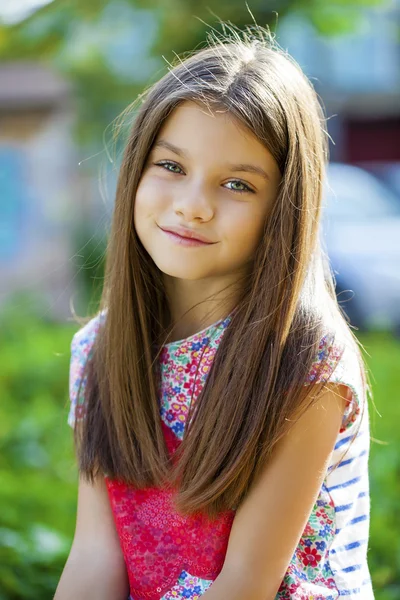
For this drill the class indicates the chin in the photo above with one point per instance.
(182, 269)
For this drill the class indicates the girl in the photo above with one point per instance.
(217, 391)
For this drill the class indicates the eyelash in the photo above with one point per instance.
(164, 164)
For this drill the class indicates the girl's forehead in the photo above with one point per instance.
(196, 111)
(195, 129)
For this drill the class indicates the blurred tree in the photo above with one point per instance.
(111, 49)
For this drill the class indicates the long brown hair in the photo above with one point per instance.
(287, 303)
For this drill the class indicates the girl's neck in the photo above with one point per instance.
(195, 305)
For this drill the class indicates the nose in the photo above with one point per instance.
(193, 204)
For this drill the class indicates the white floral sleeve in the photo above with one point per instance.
(342, 367)
(81, 346)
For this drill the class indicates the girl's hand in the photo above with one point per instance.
(269, 523)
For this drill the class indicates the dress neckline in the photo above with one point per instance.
(200, 334)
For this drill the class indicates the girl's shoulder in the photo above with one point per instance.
(83, 339)
(339, 361)
(81, 346)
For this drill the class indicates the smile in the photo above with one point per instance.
(184, 241)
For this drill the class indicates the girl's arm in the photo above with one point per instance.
(95, 567)
(269, 523)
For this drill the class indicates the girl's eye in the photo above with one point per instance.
(169, 166)
(239, 186)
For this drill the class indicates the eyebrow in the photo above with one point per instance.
(169, 146)
(242, 167)
(249, 169)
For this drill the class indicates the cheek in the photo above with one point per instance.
(150, 202)
(246, 230)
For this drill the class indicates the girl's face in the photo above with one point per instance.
(208, 176)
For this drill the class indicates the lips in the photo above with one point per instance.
(187, 234)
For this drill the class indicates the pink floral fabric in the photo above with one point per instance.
(158, 542)
(171, 556)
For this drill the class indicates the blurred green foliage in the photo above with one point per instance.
(89, 262)
(37, 465)
(384, 553)
(37, 468)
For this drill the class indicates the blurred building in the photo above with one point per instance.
(358, 78)
(38, 183)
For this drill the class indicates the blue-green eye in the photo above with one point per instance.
(239, 186)
(169, 166)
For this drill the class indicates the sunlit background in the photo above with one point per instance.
(67, 70)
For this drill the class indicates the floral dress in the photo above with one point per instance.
(171, 556)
